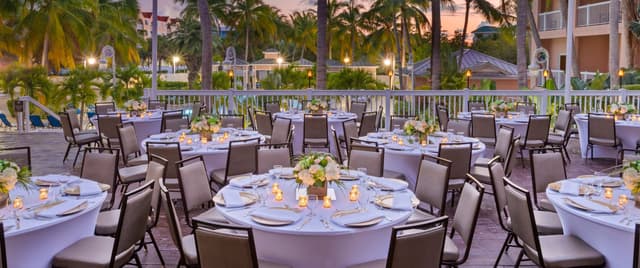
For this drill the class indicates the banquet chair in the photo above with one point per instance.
(269, 155)
(464, 222)
(75, 122)
(315, 132)
(460, 156)
(397, 121)
(108, 128)
(546, 167)
(130, 147)
(232, 121)
(537, 134)
(473, 106)
(227, 245)
(18, 155)
(338, 150)
(241, 160)
(602, 132)
(358, 108)
(369, 157)
(431, 188)
(367, 123)
(545, 250)
(379, 118)
(443, 118)
(272, 106)
(460, 126)
(281, 131)
(483, 127)
(561, 132)
(3, 248)
(196, 110)
(74, 139)
(349, 130)
(169, 151)
(185, 244)
(263, 123)
(481, 173)
(251, 113)
(372, 146)
(501, 149)
(408, 244)
(512, 156)
(101, 165)
(157, 105)
(194, 185)
(528, 108)
(173, 121)
(107, 251)
(105, 107)
(575, 109)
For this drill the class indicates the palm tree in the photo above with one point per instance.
(521, 36)
(187, 40)
(254, 19)
(614, 49)
(321, 68)
(114, 20)
(80, 86)
(436, 32)
(304, 30)
(352, 20)
(486, 9)
(207, 49)
(333, 22)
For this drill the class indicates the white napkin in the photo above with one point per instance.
(387, 184)
(245, 181)
(89, 188)
(276, 214)
(232, 198)
(285, 171)
(594, 207)
(570, 188)
(158, 136)
(356, 217)
(402, 202)
(60, 208)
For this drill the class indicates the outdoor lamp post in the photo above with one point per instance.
(309, 76)
(175, 59)
(467, 74)
(545, 74)
(230, 73)
(620, 75)
(89, 61)
(390, 74)
(346, 60)
(279, 60)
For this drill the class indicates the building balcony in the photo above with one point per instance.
(586, 15)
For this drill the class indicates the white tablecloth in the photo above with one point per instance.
(144, 127)
(316, 245)
(297, 120)
(35, 243)
(604, 232)
(627, 131)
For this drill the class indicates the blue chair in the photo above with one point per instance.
(4, 120)
(53, 122)
(36, 121)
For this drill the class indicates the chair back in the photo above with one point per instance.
(281, 132)
(241, 158)
(601, 129)
(358, 108)
(273, 107)
(409, 241)
(460, 156)
(460, 126)
(574, 108)
(128, 142)
(196, 109)
(73, 117)
(170, 151)
(194, 184)
(523, 224)
(157, 105)
(132, 225)
(511, 156)
(443, 118)
(338, 148)
(251, 113)
(172, 219)
(105, 107)
(368, 123)
(433, 181)
(503, 142)
(234, 245)
(18, 155)
(270, 155)
(349, 130)
(172, 121)
(3, 248)
(483, 126)
(232, 120)
(545, 168)
(379, 117)
(362, 157)
(496, 174)
(397, 121)
(315, 126)
(466, 215)
(155, 172)
(53, 122)
(108, 126)
(563, 121)
(100, 165)
(263, 124)
(67, 128)
(474, 106)
(526, 107)
(537, 130)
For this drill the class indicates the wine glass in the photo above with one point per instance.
(312, 204)
(277, 171)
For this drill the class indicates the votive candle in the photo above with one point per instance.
(181, 139)
(44, 193)
(622, 200)
(203, 140)
(423, 142)
(326, 202)
(18, 203)
(400, 142)
(394, 138)
(608, 193)
(189, 141)
(303, 201)
(279, 196)
(275, 188)
(353, 196)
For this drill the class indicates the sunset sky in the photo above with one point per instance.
(450, 20)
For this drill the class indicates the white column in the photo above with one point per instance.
(154, 49)
(571, 23)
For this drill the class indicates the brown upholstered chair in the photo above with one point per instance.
(272, 106)
(537, 134)
(263, 123)
(358, 108)
(194, 185)
(561, 132)
(169, 151)
(443, 118)
(108, 128)
(338, 153)
(545, 168)
(408, 243)
(185, 244)
(432, 185)
(105, 107)
(107, 251)
(107, 161)
(575, 109)
(460, 126)
(460, 156)
(241, 160)
(503, 143)
(349, 130)
(369, 157)
(173, 121)
(547, 250)
(130, 147)
(367, 124)
(18, 155)
(483, 127)
(157, 105)
(528, 108)
(232, 120)
(397, 121)
(602, 132)
(473, 106)
(196, 110)
(282, 131)
(315, 132)
(379, 117)
(269, 155)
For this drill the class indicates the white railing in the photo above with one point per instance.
(23, 120)
(419, 102)
(593, 14)
(549, 21)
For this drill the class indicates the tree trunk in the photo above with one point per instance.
(464, 33)
(246, 41)
(207, 47)
(614, 49)
(399, 53)
(410, 51)
(625, 44)
(302, 53)
(435, 44)
(521, 42)
(45, 52)
(321, 68)
(535, 35)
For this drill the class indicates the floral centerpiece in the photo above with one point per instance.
(135, 106)
(10, 175)
(418, 128)
(631, 178)
(317, 106)
(501, 106)
(620, 109)
(206, 125)
(316, 170)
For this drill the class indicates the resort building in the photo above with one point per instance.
(166, 24)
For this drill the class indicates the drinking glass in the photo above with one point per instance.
(277, 171)
(312, 204)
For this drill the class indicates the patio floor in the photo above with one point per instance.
(48, 149)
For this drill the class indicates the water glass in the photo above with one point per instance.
(314, 200)
(277, 171)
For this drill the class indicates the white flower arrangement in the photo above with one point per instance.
(316, 169)
(11, 174)
(421, 128)
(317, 105)
(206, 123)
(501, 106)
(621, 108)
(135, 106)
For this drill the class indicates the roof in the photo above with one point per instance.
(237, 62)
(487, 29)
(475, 61)
(359, 63)
(268, 62)
(303, 62)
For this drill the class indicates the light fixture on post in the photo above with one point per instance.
(545, 74)
(467, 74)
(346, 60)
(309, 76)
(230, 74)
(620, 76)
(279, 60)
(390, 74)
(175, 59)
(89, 61)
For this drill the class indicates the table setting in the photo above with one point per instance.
(351, 210)
(627, 130)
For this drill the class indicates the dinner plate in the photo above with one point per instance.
(584, 189)
(248, 199)
(611, 182)
(270, 222)
(373, 184)
(367, 223)
(82, 206)
(75, 190)
(46, 183)
(261, 182)
(386, 201)
(576, 205)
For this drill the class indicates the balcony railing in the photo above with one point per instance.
(593, 14)
(549, 21)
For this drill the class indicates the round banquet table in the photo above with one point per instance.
(406, 159)
(627, 131)
(608, 233)
(38, 240)
(334, 120)
(214, 153)
(144, 127)
(517, 121)
(316, 245)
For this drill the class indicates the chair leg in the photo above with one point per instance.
(66, 153)
(566, 152)
(519, 258)
(137, 259)
(502, 250)
(522, 158)
(77, 153)
(155, 245)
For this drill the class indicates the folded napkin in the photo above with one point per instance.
(391, 185)
(354, 218)
(158, 136)
(595, 180)
(60, 208)
(275, 214)
(570, 188)
(89, 188)
(285, 171)
(232, 198)
(352, 173)
(402, 202)
(246, 181)
(592, 206)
